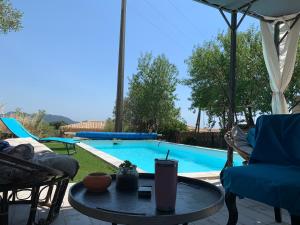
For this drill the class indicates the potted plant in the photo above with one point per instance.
(127, 177)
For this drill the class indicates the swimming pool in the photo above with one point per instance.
(142, 153)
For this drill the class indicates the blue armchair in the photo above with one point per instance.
(273, 173)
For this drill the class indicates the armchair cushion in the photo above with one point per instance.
(45, 156)
(11, 174)
(251, 137)
(3, 145)
(28, 149)
(277, 140)
(64, 163)
(276, 185)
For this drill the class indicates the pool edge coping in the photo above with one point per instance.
(115, 162)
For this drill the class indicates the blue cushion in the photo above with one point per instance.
(251, 137)
(277, 140)
(3, 145)
(276, 185)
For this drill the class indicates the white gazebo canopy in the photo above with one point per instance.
(280, 27)
(261, 9)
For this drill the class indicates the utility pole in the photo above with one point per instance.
(120, 87)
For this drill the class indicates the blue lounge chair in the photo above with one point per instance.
(20, 131)
(272, 175)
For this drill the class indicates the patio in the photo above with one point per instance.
(251, 212)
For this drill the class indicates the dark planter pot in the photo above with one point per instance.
(127, 179)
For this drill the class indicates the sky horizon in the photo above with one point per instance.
(65, 58)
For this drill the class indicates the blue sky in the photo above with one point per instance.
(65, 58)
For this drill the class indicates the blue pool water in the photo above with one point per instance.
(142, 153)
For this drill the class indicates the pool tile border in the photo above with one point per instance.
(116, 162)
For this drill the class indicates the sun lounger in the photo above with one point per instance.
(20, 131)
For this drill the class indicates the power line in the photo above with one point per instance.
(161, 31)
(184, 16)
(162, 15)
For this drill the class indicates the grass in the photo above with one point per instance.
(88, 163)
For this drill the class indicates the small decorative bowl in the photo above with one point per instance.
(97, 182)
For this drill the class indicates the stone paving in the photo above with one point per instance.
(250, 213)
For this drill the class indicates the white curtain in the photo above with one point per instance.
(280, 68)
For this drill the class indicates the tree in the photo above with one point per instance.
(109, 125)
(150, 104)
(10, 18)
(58, 124)
(35, 123)
(294, 86)
(208, 69)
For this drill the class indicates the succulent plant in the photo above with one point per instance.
(127, 164)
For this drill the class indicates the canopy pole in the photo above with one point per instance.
(276, 36)
(120, 87)
(232, 80)
(232, 73)
(233, 26)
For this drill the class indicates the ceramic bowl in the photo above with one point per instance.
(97, 182)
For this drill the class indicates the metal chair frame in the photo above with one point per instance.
(35, 185)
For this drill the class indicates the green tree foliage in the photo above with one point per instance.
(208, 77)
(208, 69)
(58, 124)
(294, 86)
(35, 123)
(150, 104)
(109, 125)
(10, 18)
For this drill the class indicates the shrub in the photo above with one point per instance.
(35, 123)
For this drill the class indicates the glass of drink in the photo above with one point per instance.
(165, 184)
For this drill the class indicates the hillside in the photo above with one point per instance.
(49, 118)
(57, 118)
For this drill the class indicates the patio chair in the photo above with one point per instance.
(46, 176)
(242, 146)
(272, 175)
(19, 130)
(36, 179)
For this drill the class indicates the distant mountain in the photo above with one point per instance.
(49, 118)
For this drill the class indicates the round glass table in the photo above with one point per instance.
(195, 200)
